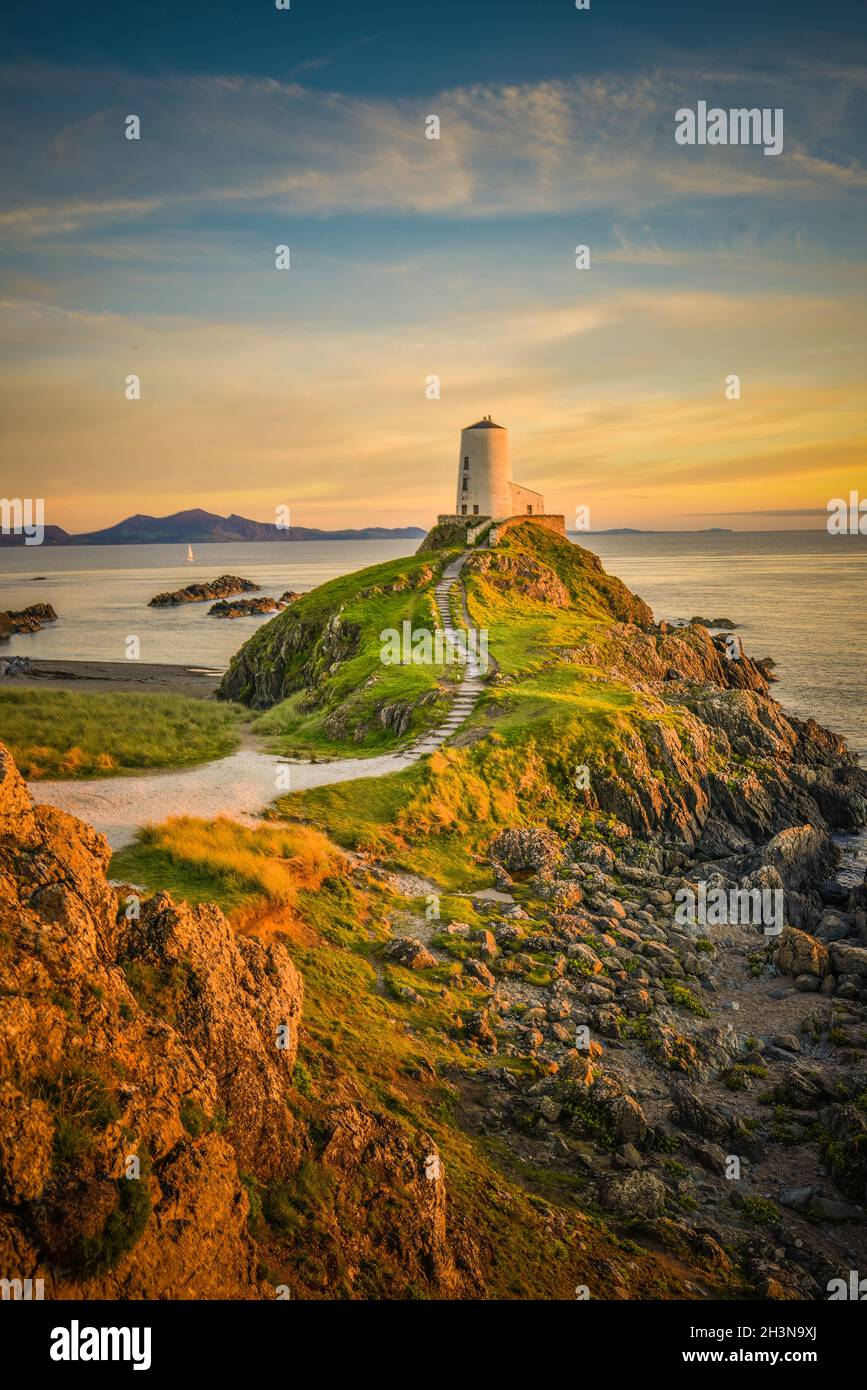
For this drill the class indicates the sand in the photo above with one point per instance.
(100, 676)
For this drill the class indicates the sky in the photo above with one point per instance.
(414, 258)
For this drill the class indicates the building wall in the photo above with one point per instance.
(525, 500)
(488, 473)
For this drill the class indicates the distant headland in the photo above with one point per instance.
(196, 525)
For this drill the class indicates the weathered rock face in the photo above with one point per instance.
(294, 652)
(239, 1007)
(223, 587)
(93, 1083)
(528, 848)
(367, 1157)
(146, 1074)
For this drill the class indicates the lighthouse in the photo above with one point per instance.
(485, 487)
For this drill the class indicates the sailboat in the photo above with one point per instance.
(190, 556)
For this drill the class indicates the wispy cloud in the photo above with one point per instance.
(546, 147)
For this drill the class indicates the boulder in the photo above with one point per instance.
(410, 953)
(530, 849)
(848, 959)
(801, 954)
(634, 1194)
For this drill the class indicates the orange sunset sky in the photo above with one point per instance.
(410, 258)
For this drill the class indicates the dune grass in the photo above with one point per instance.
(219, 861)
(59, 733)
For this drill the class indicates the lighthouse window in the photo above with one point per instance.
(466, 484)
(467, 463)
(475, 511)
(464, 509)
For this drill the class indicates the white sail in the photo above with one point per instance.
(190, 555)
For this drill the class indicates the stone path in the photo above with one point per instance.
(243, 784)
(471, 686)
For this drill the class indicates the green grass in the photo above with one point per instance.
(329, 706)
(59, 733)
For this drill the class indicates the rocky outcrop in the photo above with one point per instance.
(116, 1178)
(223, 587)
(713, 622)
(238, 1003)
(15, 666)
(526, 849)
(26, 619)
(252, 607)
(538, 577)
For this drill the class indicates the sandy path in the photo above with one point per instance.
(239, 787)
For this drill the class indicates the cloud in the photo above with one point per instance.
(507, 150)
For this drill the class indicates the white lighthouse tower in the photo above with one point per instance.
(485, 487)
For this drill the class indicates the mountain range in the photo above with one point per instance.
(196, 525)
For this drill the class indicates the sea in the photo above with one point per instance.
(797, 596)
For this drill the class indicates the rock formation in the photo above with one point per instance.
(26, 619)
(223, 587)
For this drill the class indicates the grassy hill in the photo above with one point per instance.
(567, 701)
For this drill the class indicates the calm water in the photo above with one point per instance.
(101, 594)
(799, 597)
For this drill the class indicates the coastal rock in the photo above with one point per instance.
(15, 666)
(713, 622)
(251, 607)
(91, 1078)
(634, 1194)
(223, 587)
(26, 619)
(240, 1009)
(848, 959)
